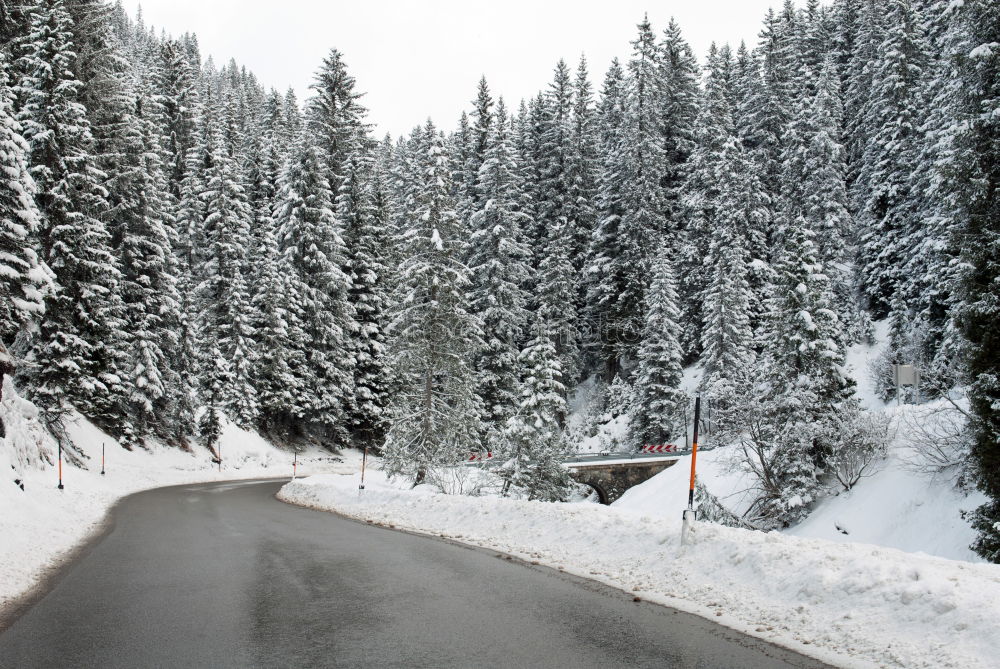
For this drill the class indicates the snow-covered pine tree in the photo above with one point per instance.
(738, 214)
(435, 413)
(498, 263)
(277, 302)
(292, 127)
(727, 338)
(700, 200)
(280, 372)
(148, 286)
(824, 196)
(23, 277)
(980, 313)
(177, 95)
(364, 224)
(643, 224)
(602, 276)
(880, 193)
(556, 223)
(679, 75)
(655, 415)
(190, 248)
(581, 171)
(555, 297)
(75, 356)
(226, 337)
(474, 153)
(780, 81)
(867, 31)
(335, 116)
(104, 72)
(804, 331)
(934, 243)
(312, 241)
(752, 128)
(13, 27)
(797, 390)
(534, 434)
(553, 207)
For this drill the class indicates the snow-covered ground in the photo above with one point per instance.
(898, 507)
(849, 604)
(40, 525)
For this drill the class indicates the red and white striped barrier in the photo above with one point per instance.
(475, 457)
(659, 448)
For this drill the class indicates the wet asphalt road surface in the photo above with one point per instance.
(224, 575)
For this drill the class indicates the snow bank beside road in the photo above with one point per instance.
(847, 604)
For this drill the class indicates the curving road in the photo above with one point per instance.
(224, 575)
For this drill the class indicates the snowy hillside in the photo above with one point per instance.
(899, 506)
(41, 524)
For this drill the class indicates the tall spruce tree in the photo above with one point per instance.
(535, 432)
(603, 276)
(881, 189)
(226, 338)
(980, 313)
(23, 277)
(642, 167)
(435, 411)
(655, 416)
(363, 216)
(335, 115)
(76, 355)
(312, 241)
(499, 268)
(148, 286)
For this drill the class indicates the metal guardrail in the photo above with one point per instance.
(599, 457)
(604, 457)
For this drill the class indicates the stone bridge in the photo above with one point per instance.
(612, 478)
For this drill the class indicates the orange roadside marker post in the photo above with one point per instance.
(690, 515)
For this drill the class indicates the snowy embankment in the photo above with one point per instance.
(40, 525)
(897, 507)
(851, 605)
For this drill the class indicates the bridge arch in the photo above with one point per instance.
(611, 480)
(595, 485)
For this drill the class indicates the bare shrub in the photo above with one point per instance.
(936, 439)
(860, 443)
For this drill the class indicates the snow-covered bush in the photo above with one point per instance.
(712, 510)
(860, 441)
(463, 480)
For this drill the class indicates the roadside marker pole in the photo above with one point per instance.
(102, 458)
(60, 465)
(295, 463)
(689, 513)
(364, 461)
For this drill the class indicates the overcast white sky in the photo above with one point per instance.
(423, 58)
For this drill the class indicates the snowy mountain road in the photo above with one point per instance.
(224, 575)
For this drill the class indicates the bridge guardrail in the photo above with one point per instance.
(599, 457)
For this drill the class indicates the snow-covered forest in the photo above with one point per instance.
(178, 244)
